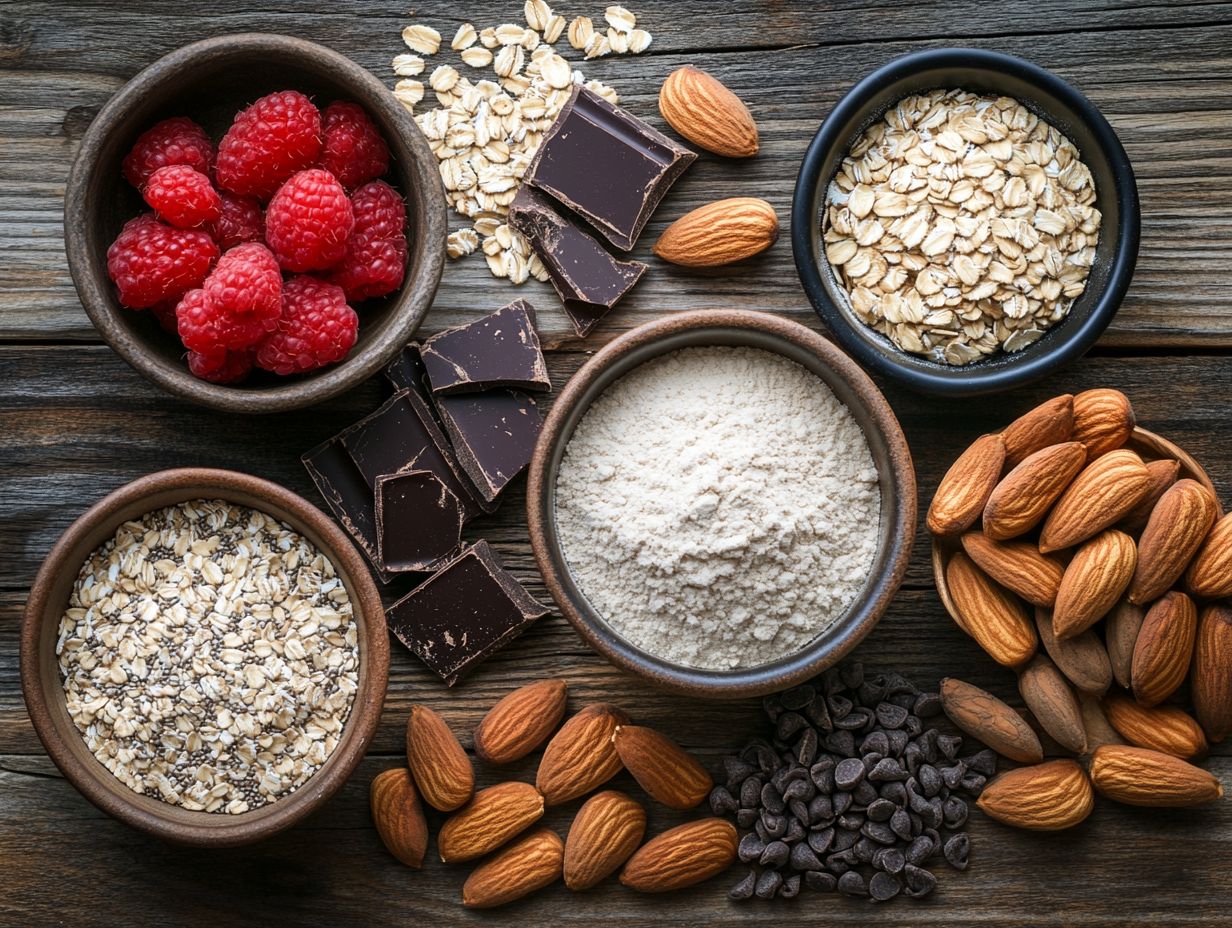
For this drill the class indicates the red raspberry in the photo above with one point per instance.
(164, 312)
(223, 367)
(182, 196)
(372, 267)
(317, 328)
(354, 149)
(241, 221)
(208, 328)
(379, 211)
(151, 262)
(247, 282)
(172, 141)
(308, 222)
(268, 142)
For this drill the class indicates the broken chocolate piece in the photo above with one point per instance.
(406, 371)
(467, 610)
(493, 435)
(588, 280)
(607, 165)
(348, 496)
(500, 350)
(418, 521)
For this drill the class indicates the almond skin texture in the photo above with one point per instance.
(494, 816)
(1022, 499)
(682, 856)
(718, 233)
(994, 617)
(1164, 647)
(666, 772)
(608, 828)
(1161, 728)
(1094, 580)
(1142, 777)
(1048, 695)
(1099, 497)
(1081, 658)
(705, 112)
(1095, 721)
(986, 718)
(1210, 574)
(1210, 682)
(1103, 421)
(1047, 797)
(398, 816)
(1163, 474)
(581, 756)
(1018, 566)
(1178, 525)
(1049, 423)
(966, 486)
(1120, 637)
(442, 770)
(528, 864)
(521, 722)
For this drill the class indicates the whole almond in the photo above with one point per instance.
(1103, 421)
(994, 617)
(1142, 777)
(1178, 525)
(1082, 657)
(520, 722)
(608, 828)
(1160, 728)
(1099, 729)
(1163, 649)
(966, 486)
(528, 864)
(1049, 423)
(581, 756)
(398, 816)
(1098, 498)
(1023, 497)
(1163, 473)
(704, 111)
(987, 719)
(1210, 574)
(490, 819)
(1120, 637)
(719, 233)
(1045, 797)
(1048, 695)
(661, 767)
(443, 772)
(1094, 580)
(1210, 682)
(1016, 565)
(682, 856)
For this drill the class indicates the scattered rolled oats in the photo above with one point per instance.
(422, 39)
(537, 14)
(408, 65)
(620, 19)
(461, 243)
(580, 31)
(464, 38)
(552, 31)
(409, 92)
(639, 41)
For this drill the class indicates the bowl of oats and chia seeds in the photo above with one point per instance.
(204, 656)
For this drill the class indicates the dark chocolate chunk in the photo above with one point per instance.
(418, 520)
(493, 435)
(406, 371)
(884, 886)
(348, 496)
(499, 350)
(467, 610)
(607, 165)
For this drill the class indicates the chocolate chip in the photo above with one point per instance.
(839, 707)
(952, 776)
(746, 817)
(855, 720)
(789, 723)
(790, 888)
(881, 810)
(797, 697)
(820, 807)
(772, 705)
(743, 889)
(750, 848)
(848, 773)
(737, 771)
(803, 857)
(888, 769)
(900, 824)
(894, 792)
(799, 789)
(956, 850)
(864, 793)
(819, 881)
(852, 884)
(949, 745)
(822, 775)
(920, 882)
(806, 747)
(973, 783)
(795, 831)
(722, 802)
(889, 859)
(750, 793)
(930, 780)
(775, 854)
(768, 884)
(954, 812)
(927, 705)
(842, 743)
(983, 762)
(864, 849)
(884, 886)
(772, 799)
(879, 832)
(819, 714)
(853, 821)
(774, 823)
(919, 850)
(798, 810)
(875, 742)
(842, 802)
(821, 840)
(890, 715)
(844, 840)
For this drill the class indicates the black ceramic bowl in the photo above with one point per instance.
(1050, 98)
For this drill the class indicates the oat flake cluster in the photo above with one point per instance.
(961, 225)
(209, 656)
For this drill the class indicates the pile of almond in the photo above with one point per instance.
(593, 746)
(1066, 530)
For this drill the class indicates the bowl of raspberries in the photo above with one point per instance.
(255, 223)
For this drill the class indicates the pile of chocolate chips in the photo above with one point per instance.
(852, 793)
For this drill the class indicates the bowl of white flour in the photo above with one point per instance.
(722, 502)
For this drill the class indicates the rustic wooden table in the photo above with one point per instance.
(76, 422)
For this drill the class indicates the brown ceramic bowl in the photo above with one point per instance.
(40, 677)
(850, 384)
(210, 81)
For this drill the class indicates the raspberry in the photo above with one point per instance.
(164, 312)
(208, 328)
(375, 262)
(223, 367)
(268, 142)
(182, 196)
(379, 211)
(354, 149)
(151, 262)
(172, 141)
(241, 221)
(317, 328)
(247, 282)
(308, 222)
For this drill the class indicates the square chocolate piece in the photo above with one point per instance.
(464, 612)
(499, 350)
(348, 496)
(493, 435)
(418, 521)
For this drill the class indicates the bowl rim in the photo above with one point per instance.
(656, 338)
(1010, 371)
(423, 272)
(92, 779)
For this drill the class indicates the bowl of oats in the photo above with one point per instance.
(204, 656)
(965, 222)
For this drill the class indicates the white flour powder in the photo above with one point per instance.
(719, 507)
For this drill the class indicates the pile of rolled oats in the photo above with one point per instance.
(485, 132)
(209, 656)
(961, 225)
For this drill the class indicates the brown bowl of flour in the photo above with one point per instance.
(722, 502)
